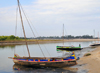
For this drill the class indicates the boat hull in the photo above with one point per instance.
(94, 45)
(46, 64)
(45, 61)
(69, 48)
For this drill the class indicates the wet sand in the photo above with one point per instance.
(91, 62)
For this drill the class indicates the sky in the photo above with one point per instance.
(46, 17)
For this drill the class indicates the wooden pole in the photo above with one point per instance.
(94, 37)
(98, 37)
(63, 34)
(23, 27)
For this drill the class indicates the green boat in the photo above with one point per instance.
(69, 48)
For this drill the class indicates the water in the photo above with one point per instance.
(7, 65)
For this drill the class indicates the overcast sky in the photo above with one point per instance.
(80, 17)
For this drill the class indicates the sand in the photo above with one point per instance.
(33, 41)
(91, 62)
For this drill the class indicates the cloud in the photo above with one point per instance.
(51, 14)
(58, 7)
(65, 6)
(7, 14)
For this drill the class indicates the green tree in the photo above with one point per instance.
(12, 37)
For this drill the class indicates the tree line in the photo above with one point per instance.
(67, 37)
(12, 37)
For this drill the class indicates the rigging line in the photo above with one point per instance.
(29, 20)
(63, 37)
(94, 37)
(37, 34)
(65, 30)
(23, 27)
(16, 21)
(63, 34)
(47, 51)
(66, 35)
(32, 31)
(24, 51)
(16, 25)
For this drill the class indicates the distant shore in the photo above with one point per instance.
(34, 41)
(91, 62)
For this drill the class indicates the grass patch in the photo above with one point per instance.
(88, 54)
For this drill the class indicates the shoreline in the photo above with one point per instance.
(34, 41)
(91, 63)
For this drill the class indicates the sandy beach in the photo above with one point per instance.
(91, 62)
(34, 41)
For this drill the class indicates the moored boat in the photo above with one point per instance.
(45, 61)
(95, 45)
(69, 48)
(42, 61)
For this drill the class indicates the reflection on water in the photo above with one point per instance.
(24, 69)
(10, 47)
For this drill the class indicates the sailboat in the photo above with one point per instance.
(68, 48)
(42, 61)
(95, 44)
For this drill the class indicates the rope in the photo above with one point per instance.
(16, 25)
(32, 30)
(38, 35)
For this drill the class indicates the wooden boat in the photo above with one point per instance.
(69, 48)
(95, 44)
(45, 61)
(42, 61)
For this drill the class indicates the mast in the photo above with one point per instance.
(63, 34)
(98, 37)
(23, 27)
(94, 36)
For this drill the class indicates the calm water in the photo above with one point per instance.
(7, 65)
